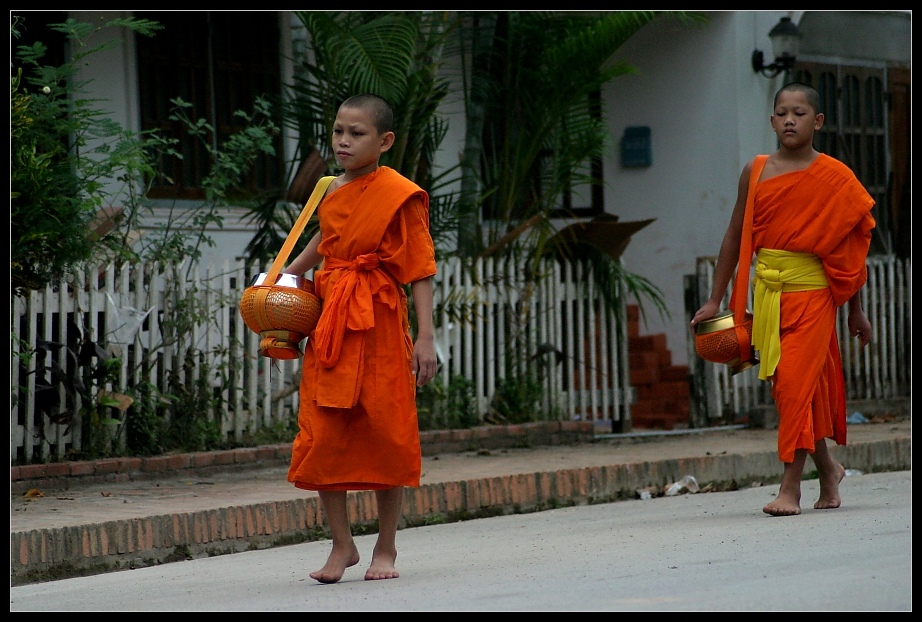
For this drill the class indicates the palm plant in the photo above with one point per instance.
(534, 126)
(394, 54)
(533, 98)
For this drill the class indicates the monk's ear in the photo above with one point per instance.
(820, 119)
(387, 141)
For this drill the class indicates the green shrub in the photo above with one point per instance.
(451, 407)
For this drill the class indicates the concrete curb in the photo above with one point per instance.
(63, 475)
(50, 554)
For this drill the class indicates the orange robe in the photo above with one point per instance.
(357, 416)
(823, 210)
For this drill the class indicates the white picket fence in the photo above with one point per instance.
(880, 371)
(491, 323)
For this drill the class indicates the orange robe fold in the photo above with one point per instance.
(357, 418)
(823, 210)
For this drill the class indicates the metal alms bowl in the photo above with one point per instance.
(721, 321)
(289, 305)
(717, 341)
(285, 280)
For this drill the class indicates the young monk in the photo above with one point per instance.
(357, 415)
(811, 234)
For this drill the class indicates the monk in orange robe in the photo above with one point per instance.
(357, 417)
(811, 232)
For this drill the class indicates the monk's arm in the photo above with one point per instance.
(306, 259)
(858, 324)
(425, 363)
(729, 254)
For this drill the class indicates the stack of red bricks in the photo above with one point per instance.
(661, 388)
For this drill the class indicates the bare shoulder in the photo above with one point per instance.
(338, 182)
(744, 176)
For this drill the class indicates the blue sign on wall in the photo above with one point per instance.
(636, 151)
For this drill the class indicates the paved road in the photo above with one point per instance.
(701, 552)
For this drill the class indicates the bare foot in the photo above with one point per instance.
(336, 565)
(382, 566)
(785, 504)
(829, 489)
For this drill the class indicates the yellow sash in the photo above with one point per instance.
(776, 272)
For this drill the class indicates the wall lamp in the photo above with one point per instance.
(785, 38)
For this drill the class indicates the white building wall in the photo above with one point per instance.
(708, 113)
(694, 87)
(110, 73)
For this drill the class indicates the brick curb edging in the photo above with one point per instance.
(62, 475)
(50, 554)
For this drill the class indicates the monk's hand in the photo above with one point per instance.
(425, 362)
(859, 326)
(706, 312)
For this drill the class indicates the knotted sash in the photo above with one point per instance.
(778, 271)
(348, 313)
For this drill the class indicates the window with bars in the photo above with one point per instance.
(219, 62)
(853, 100)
